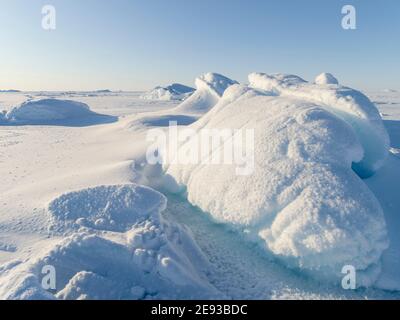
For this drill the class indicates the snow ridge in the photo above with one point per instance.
(209, 89)
(303, 202)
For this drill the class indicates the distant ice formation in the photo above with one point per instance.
(51, 111)
(175, 91)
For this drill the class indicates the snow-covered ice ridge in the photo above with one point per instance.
(348, 104)
(209, 89)
(175, 91)
(306, 202)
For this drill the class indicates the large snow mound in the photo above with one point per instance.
(302, 201)
(209, 89)
(154, 259)
(348, 104)
(48, 111)
(175, 91)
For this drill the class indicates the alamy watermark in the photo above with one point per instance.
(48, 277)
(349, 20)
(349, 279)
(49, 21)
(187, 146)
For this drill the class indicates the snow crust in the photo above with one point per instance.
(305, 202)
(113, 208)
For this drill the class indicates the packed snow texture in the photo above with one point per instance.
(175, 91)
(150, 257)
(113, 208)
(209, 89)
(46, 111)
(348, 104)
(303, 202)
(326, 78)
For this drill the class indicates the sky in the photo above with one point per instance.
(139, 44)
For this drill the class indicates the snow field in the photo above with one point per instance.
(307, 206)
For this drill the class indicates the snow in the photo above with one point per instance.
(175, 91)
(326, 78)
(154, 254)
(303, 202)
(73, 196)
(350, 105)
(385, 185)
(49, 111)
(112, 208)
(209, 89)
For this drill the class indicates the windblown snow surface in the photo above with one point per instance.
(79, 196)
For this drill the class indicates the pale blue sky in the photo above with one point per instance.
(135, 45)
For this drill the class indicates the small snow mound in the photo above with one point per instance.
(114, 208)
(48, 110)
(389, 90)
(326, 78)
(210, 88)
(175, 91)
